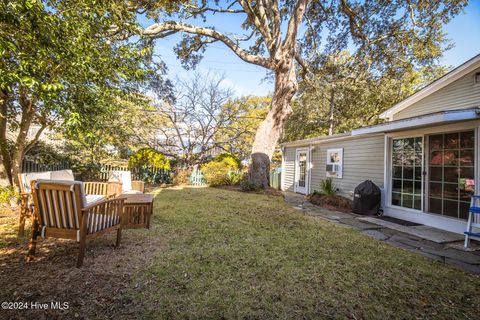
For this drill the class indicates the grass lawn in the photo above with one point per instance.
(223, 254)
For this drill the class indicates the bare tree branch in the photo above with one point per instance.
(161, 30)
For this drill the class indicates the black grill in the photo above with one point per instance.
(366, 198)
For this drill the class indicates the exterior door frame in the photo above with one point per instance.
(424, 217)
(296, 188)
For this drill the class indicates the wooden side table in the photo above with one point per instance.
(137, 210)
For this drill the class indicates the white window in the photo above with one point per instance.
(334, 166)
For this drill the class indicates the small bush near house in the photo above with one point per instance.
(327, 187)
(216, 173)
(219, 171)
(326, 197)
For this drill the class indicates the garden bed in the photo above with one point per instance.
(332, 202)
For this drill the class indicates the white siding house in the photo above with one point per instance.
(425, 157)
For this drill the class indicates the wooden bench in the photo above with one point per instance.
(61, 211)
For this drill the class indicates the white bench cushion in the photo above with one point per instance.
(125, 177)
(65, 175)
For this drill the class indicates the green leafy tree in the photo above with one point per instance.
(237, 136)
(62, 65)
(149, 157)
(342, 95)
(285, 36)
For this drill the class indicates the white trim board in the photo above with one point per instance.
(307, 170)
(438, 84)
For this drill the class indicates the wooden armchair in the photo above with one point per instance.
(61, 211)
(95, 191)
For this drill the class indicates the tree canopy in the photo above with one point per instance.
(284, 36)
(343, 95)
(63, 65)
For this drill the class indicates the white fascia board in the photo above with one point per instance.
(450, 77)
(437, 118)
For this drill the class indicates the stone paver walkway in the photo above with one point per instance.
(436, 244)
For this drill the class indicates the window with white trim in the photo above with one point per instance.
(334, 167)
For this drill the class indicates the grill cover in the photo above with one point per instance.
(366, 198)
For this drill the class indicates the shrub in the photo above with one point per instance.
(182, 177)
(221, 170)
(7, 194)
(228, 159)
(327, 187)
(216, 173)
(234, 177)
(148, 157)
(248, 186)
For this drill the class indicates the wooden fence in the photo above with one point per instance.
(276, 178)
(33, 166)
(146, 173)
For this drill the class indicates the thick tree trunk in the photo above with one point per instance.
(4, 150)
(28, 113)
(270, 130)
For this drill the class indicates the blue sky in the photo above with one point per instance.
(244, 78)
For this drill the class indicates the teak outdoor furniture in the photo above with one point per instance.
(127, 185)
(95, 191)
(61, 211)
(137, 210)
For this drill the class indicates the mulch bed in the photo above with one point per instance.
(331, 202)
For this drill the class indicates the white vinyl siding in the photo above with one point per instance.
(289, 168)
(460, 94)
(363, 158)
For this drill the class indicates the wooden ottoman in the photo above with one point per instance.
(137, 210)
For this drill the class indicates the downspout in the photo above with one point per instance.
(282, 168)
(310, 155)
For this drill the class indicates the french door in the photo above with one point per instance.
(407, 172)
(301, 171)
(434, 173)
(451, 173)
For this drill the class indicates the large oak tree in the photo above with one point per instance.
(283, 35)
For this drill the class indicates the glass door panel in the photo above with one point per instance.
(407, 172)
(302, 168)
(451, 178)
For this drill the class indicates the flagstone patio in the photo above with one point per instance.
(443, 246)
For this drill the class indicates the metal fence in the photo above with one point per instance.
(29, 166)
(276, 178)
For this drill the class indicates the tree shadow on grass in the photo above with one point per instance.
(96, 290)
